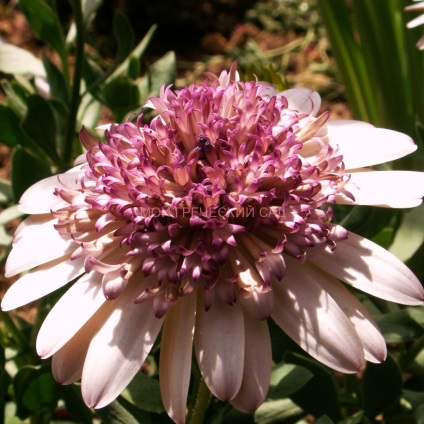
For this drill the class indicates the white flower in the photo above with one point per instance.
(207, 222)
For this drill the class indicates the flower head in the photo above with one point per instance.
(417, 21)
(206, 222)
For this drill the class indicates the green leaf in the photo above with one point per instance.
(39, 125)
(287, 379)
(124, 36)
(16, 99)
(138, 51)
(319, 395)
(399, 327)
(5, 191)
(14, 60)
(35, 389)
(144, 392)
(115, 413)
(357, 418)
(42, 392)
(382, 386)
(121, 95)
(163, 71)
(324, 420)
(133, 68)
(277, 411)
(366, 220)
(56, 80)
(12, 212)
(10, 131)
(26, 170)
(45, 23)
(75, 405)
(410, 235)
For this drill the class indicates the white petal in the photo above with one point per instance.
(36, 242)
(176, 357)
(257, 366)
(119, 348)
(372, 269)
(361, 144)
(259, 305)
(68, 362)
(62, 322)
(219, 345)
(42, 281)
(371, 338)
(303, 100)
(311, 317)
(419, 20)
(412, 7)
(385, 188)
(40, 198)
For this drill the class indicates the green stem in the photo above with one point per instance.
(201, 405)
(76, 84)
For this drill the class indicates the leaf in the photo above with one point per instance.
(12, 212)
(115, 413)
(319, 395)
(138, 51)
(382, 386)
(121, 96)
(124, 36)
(45, 23)
(16, 100)
(133, 68)
(26, 170)
(39, 125)
(10, 130)
(162, 72)
(56, 81)
(41, 392)
(75, 405)
(399, 327)
(34, 388)
(357, 418)
(410, 235)
(14, 60)
(276, 411)
(5, 191)
(144, 392)
(366, 220)
(287, 379)
(324, 420)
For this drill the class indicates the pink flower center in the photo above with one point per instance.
(210, 194)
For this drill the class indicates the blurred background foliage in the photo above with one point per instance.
(65, 64)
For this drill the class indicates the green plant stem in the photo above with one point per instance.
(76, 84)
(201, 405)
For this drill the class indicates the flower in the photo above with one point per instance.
(417, 21)
(205, 223)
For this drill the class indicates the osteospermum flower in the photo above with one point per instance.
(419, 20)
(204, 224)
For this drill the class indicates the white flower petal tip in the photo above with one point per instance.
(40, 282)
(26, 251)
(401, 189)
(304, 100)
(372, 270)
(40, 197)
(353, 138)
